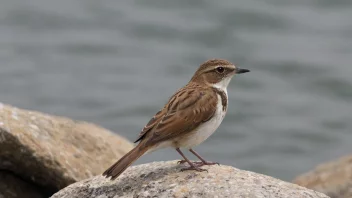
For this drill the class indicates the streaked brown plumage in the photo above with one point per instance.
(177, 124)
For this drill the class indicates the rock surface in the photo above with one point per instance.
(333, 178)
(53, 152)
(164, 179)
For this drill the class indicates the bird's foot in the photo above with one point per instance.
(194, 167)
(199, 164)
(181, 162)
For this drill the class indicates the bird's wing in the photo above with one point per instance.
(152, 123)
(184, 112)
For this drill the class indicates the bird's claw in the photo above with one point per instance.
(196, 168)
(207, 163)
(181, 162)
(199, 164)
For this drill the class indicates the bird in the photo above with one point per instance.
(191, 115)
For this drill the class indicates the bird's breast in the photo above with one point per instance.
(206, 129)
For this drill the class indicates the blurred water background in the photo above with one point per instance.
(115, 63)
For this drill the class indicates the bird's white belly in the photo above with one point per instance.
(205, 129)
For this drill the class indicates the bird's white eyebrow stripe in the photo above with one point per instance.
(229, 66)
(224, 66)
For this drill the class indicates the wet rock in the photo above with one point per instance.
(333, 178)
(164, 179)
(53, 152)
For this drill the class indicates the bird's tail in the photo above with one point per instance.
(122, 164)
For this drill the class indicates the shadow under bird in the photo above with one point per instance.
(190, 116)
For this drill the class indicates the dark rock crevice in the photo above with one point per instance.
(14, 186)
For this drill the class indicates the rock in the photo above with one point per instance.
(164, 179)
(53, 152)
(13, 187)
(333, 178)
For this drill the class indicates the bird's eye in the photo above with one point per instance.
(220, 69)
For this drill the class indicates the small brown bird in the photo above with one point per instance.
(191, 115)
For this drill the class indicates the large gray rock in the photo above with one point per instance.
(332, 178)
(53, 152)
(164, 179)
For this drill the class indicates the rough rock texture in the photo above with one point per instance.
(164, 179)
(53, 152)
(333, 178)
(11, 186)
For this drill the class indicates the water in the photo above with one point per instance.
(115, 63)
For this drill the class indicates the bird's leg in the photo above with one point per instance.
(203, 161)
(191, 165)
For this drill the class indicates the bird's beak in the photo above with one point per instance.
(241, 71)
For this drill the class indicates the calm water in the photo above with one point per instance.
(115, 63)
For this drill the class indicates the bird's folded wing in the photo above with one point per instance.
(184, 112)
